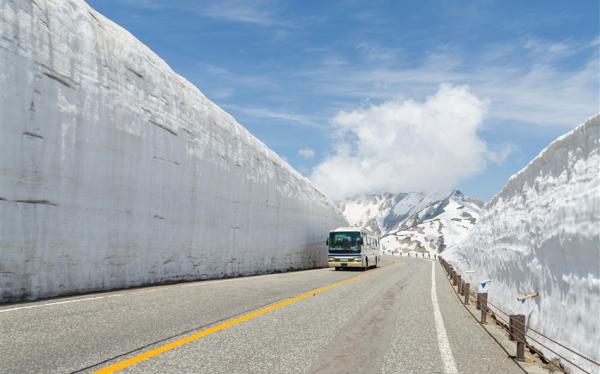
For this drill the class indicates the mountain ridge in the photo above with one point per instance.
(413, 221)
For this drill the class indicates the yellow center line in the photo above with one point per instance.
(222, 326)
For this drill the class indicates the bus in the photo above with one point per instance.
(351, 247)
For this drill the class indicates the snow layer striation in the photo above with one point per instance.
(542, 233)
(116, 172)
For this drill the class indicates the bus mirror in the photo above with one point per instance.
(360, 241)
(327, 242)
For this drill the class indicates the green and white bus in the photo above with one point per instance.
(351, 247)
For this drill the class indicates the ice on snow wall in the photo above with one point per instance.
(116, 172)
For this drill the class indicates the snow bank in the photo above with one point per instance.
(542, 232)
(116, 172)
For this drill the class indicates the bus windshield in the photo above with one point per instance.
(344, 242)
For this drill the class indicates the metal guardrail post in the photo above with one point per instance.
(466, 289)
(519, 335)
(482, 299)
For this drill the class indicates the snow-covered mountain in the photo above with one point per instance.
(541, 233)
(414, 221)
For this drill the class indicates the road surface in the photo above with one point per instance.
(393, 319)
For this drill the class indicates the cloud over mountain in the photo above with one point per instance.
(405, 145)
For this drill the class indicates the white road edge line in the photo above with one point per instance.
(442, 337)
(58, 303)
(192, 284)
(209, 282)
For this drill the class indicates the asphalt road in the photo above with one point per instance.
(379, 321)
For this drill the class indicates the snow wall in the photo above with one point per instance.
(116, 172)
(542, 232)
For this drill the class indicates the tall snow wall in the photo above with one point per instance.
(116, 172)
(542, 233)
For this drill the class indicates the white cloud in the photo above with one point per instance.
(256, 12)
(498, 156)
(306, 153)
(528, 81)
(259, 112)
(405, 145)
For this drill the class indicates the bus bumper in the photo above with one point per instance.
(338, 262)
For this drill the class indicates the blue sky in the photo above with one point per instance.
(293, 73)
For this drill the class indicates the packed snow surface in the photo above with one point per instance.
(542, 233)
(414, 222)
(117, 172)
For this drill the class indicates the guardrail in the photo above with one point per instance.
(515, 324)
(420, 255)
